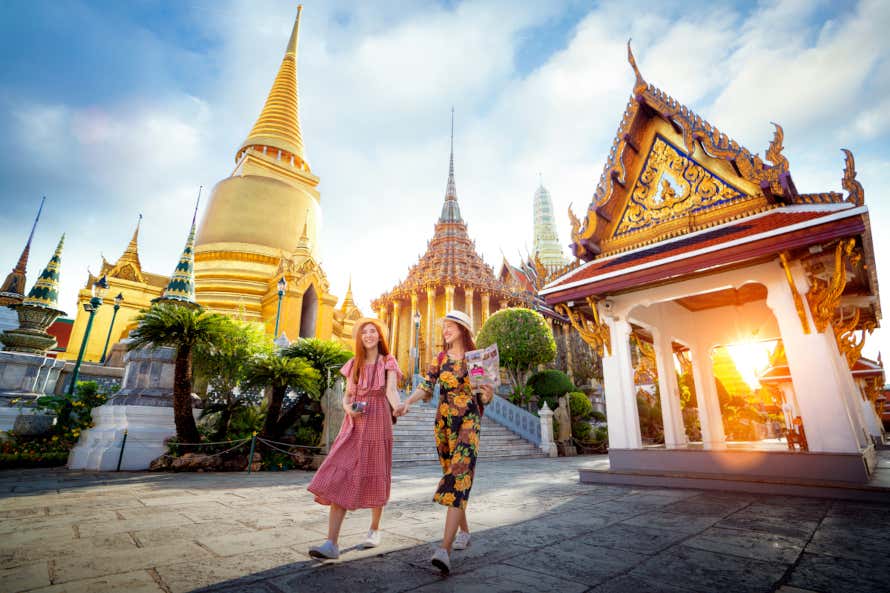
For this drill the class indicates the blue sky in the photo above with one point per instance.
(115, 108)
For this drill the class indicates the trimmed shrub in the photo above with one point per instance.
(598, 416)
(550, 384)
(580, 406)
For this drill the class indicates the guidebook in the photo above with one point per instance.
(484, 366)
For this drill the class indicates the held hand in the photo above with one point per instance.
(403, 409)
(487, 393)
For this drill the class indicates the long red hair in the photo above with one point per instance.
(358, 366)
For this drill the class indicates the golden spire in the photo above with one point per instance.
(348, 302)
(278, 126)
(131, 253)
(13, 289)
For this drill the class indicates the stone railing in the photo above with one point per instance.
(536, 430)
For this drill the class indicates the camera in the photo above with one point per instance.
(359, 407)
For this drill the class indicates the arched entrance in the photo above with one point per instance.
(309, 313)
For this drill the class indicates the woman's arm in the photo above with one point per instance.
(346, 402)
(392, 391)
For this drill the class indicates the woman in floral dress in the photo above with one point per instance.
(457, 430)
(358, 470)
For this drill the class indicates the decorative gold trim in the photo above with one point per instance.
(824, 296)
(855, 193)
(848, 342)
(594, 332)
(795, 294)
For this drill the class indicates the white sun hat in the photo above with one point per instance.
(460, 318)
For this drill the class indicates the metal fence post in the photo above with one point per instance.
(250, 456)
(121, 456)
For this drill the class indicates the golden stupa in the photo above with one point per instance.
(262, 224)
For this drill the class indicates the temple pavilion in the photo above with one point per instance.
(450, 275)
(693, 242)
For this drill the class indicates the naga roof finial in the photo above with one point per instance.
(640, 84)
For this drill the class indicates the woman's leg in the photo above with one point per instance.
(335, 520)
(375, 518)
(454, 517)
(463, 522)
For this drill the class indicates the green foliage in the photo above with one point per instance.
(308, 436)
(73, 415)
(247, 420)
(325, 356)
(651, 422)
(579, 406)
(598, 416)
(166, 324)
(521, 394)
(550, 384)
(739, 414)
(524, 341)
(582, 431)
(280, 372)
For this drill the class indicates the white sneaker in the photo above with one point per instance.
(326, 551)
(461, 541)
(441, 561)
(373, 539)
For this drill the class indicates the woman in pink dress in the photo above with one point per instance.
(358, 470)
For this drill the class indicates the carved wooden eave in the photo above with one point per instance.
(654, 121)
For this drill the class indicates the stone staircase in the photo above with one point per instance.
(413, 439)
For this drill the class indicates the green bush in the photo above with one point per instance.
(579, 406)
(524, 341)
(601, 434)
(582, 431)
(550, 384)
(308, 436)
(33, 459)
(598, 416)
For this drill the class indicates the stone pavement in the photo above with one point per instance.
(535, 528)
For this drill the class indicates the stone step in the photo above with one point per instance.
(432, 458)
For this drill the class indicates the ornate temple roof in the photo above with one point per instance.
(278, 125)
(45, 292)
(13, 289)
(638, 200)
(181, 288)
(128, 266)
(451, 256)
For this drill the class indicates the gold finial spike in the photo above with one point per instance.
(640, 84)
(855, 193)
(278, 126)
(131, 253)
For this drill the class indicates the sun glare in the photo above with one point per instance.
(751, 359)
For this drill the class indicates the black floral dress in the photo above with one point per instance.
(457, 429)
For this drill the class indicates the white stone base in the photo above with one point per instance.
(147, 427)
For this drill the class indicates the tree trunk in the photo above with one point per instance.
(186, 429)
(225, 418)
(276, 399)
(292, 414)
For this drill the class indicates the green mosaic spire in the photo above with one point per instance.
(181, 288)
(45, 292)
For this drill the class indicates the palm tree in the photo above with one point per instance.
(281, 373)
(184, 328)
(326, 357)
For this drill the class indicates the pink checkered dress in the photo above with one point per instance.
(358, 469)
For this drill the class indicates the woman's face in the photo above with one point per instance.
(451, 331)
(370, 335)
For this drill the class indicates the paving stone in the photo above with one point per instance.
(828, 574)
(22, 578)
(87, 564)
(748, 544)
(850, 542)
(769, 524)
(633, 538)
(706, 572)
(243, 568)
(577, 561)
(229, 545)
(500, 579)
(675, 522)
(368, 576)
(12, 553)
(139, 581)
(632, 584)
(703, 505)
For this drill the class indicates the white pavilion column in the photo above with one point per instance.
(712, 434)
(430, 323)
(468, 299)
(870, 416)
(485, 307)
(669, 391)
(812, 362)
(618, 383)
(394, 339)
